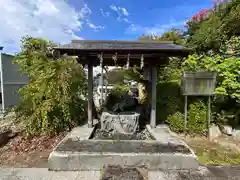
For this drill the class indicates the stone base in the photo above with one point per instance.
(78, 152)
(74, 161)
(163, 134)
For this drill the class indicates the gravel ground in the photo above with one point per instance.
(118, 173)
(140, 135)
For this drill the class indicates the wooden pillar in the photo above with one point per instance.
(148, 86)
(102, 79)
(153, 97)
(185, 113)
(209, 117)
(90, 94)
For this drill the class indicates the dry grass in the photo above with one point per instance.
(213, 152)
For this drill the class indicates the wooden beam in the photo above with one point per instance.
(90, 94)
(153, 97)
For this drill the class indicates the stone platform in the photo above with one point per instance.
(78, 152)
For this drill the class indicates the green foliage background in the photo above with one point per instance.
(53, 99)
(220, 25)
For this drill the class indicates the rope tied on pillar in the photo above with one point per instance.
(128, 61)
(114, 57)
(142, 62)
(100, 57)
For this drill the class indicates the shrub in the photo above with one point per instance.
(197, 120)
(196, 123)
(169, 100)
(52, 101)
(176, 122)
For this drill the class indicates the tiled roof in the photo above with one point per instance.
(153, 51)
(120, 45)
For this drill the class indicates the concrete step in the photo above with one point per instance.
(74, 155)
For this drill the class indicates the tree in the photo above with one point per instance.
(145, 37)
(174, 35)
(227, 68)
(210, 28)
(228, 81)
(52, 101)
(232, 46)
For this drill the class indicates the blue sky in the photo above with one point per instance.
(64, 20)
(142, 16)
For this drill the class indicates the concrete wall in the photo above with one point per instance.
(11, 81)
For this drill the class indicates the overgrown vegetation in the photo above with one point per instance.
(53, 99)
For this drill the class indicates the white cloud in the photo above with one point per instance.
(84, 12)
(156, 29)
(126, 20)
(105, 14)
(52, 19)
(114, 7)
(122, 12)
(96, 28)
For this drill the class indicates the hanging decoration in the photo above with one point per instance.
(142, 61)
(100, 57)
(114, 57)
(128, 61)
